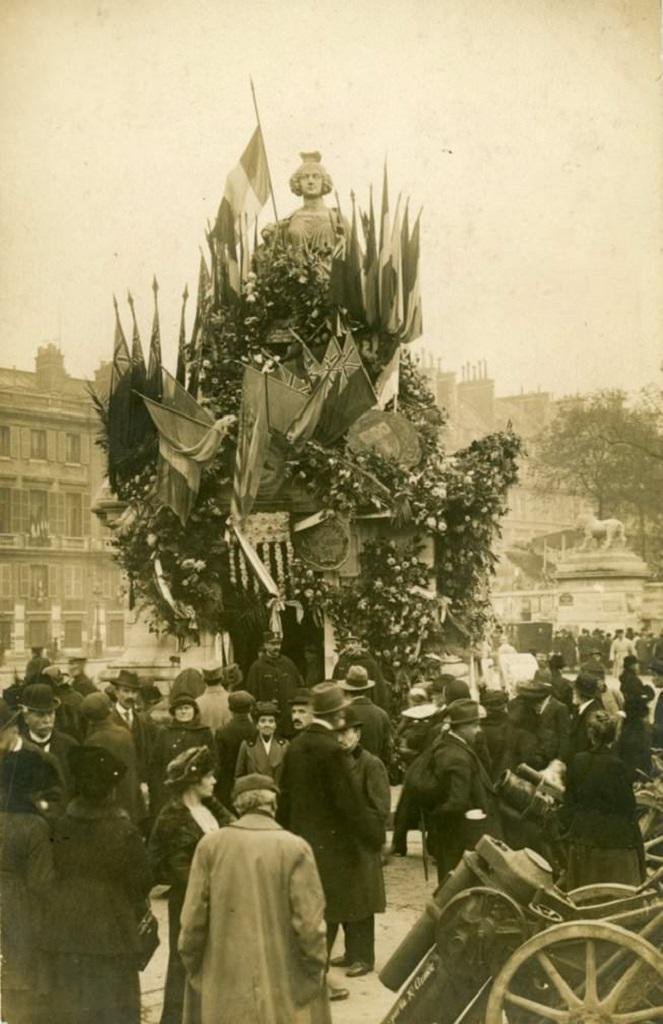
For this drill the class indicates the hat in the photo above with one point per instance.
(247, 783)
(533, 689)
(418, 694)
(595, 669)
(265, 707)
(8, 716)
(494, 699)
(587, 685)
(328, 698)
(463, 712)
(656, 667)
(128, 679)
(96, 707)
(181, 700)
(150, 693)
(272, 638)
(240, 700)
(352, 720)
(420, 712)
(95, 767)
(232, 677)
(55, 674)
(556, 662)
(214, 673)
(190, 766)
(26, 771)
(356, 679)
(302, 696)
(39, 697)
(455, 689)
(189, 680)
(630, 660)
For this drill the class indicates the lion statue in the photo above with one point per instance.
(610, 531)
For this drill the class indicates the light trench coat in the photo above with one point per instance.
(252, 935)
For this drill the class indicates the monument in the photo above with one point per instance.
(600, 582)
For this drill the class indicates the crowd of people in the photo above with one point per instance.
(263, 805)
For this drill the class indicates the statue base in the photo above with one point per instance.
(600, 588)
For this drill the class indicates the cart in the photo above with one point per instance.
(501, 944)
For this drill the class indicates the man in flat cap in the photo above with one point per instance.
(252, 935)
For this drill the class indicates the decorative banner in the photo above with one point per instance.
(388, 434)
(325, 545)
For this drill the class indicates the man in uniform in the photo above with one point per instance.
(264, 753)
(273, 677)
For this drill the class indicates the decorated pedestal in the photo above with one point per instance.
(601, 587)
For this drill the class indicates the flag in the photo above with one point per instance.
(304, 425)
(386, 386)
(288, 377)
(176, 397)
(284, 403)
(391, 302)
(140, 424)
(180, 372)
(153, 387)
(119, 397)
(385, 275)
(312, 365)
(203, 304)
(245, 194)
(350, 394)
(252, 443)
(186, 444)
(412, 316)
(371, 267)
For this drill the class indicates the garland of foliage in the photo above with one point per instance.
(458, 499)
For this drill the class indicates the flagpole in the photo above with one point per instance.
(269, 173)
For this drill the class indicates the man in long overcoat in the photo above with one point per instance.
(355, 653)
(252, 935)
(274, 677)
(104, 732)
(321, 802)
(467, 806)
(229, 739)
(376, 727)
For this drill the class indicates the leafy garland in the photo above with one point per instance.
(458, 499)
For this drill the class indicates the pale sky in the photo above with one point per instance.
(529, 130)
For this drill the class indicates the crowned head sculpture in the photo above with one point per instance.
(314, 224)
(311, 180)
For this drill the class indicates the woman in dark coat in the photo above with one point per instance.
(190, 813)
(26, 880)
(183, 733)
(102, 884)
(599, 811)
(635, 739)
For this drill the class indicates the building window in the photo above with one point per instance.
(37, 633)
(73, 448)
(115, 637)
(6, 580)
(73, 633)
(38, 444)
(5, 634)
(38, 506)
(73, 581)
(5, 510)
(5, 442)
(38, 582)
(73, 511)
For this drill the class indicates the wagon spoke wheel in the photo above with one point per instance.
(478, 929)
(580, 972)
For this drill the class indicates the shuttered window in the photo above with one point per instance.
(73, 581)
(73, 448)
(38, 447)
(5, 442)
(5, 510)
(6, 588)
(73, 514)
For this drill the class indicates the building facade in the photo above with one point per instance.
(59, 587)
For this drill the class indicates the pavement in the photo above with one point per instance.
(369, 1001)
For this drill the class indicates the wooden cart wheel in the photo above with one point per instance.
(580, 972)
(654, 853)
(601, 892)
(478, 929)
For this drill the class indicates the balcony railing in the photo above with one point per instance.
(24, 541)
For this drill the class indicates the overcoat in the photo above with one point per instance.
(213, 707)
(253, 931)
(275, 679)
(464, 785)
(102, 882)
(69, 717)
(373, 783)
(321, 802)
(228, 740)
(171, 847)
(376, 728)
(117, 739)
(253, 757)
(380, 694)
(171, 741)
(553, 732)
(579, 738)
(26, 878)
(144, 732)
(58, 747)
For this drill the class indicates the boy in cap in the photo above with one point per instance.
(229, 739)
(265, 752)
(258, 957)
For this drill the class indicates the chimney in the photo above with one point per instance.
(477, 390)
(49, 368)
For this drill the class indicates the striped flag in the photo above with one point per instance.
(140, 424)
(246, 192)
(412, 294)
(252, 444)
(180, 372)
(203, 304)
(119, 397)
(350, 395)
(154, 362)
(371, 267)
(386, 386)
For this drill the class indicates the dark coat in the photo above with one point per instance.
(562, 690)
(144, 732)
(68, 717)
(599, 803)
(380, 693)
(228, 740)
(26, 879)
(253, 757)
(631, 684)
(633, 746)
(372, 781)
(464, 784)
(275, 679)
(117, 739)
(59, 746)
(553, 733)
(502, 742)
(579, 739)
(376, 728)
(83, 684)
(171, 847)
(172, 740)
(103, 880)
(657, 737)
(321, 802)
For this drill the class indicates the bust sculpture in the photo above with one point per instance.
(314, 224)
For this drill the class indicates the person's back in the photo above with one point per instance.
(228, 741)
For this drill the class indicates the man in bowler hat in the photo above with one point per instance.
(38, 713)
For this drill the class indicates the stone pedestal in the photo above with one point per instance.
(600, 587)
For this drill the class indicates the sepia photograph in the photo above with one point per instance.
(331, 512)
